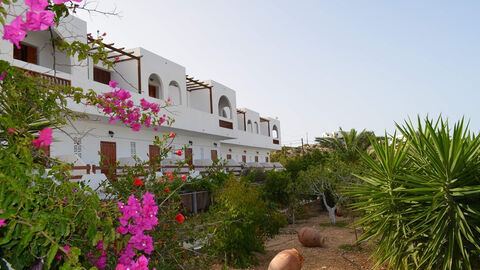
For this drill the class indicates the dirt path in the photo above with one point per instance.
(327, 257)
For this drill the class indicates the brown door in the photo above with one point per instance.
(256, 159)
(266, 159)
(189, 156)
(229, 156)
(153, 153)
(152, 91)
(244, 159)
(109, 154)
(213, 155)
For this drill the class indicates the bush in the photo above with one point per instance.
(246, 221)
(421, 197)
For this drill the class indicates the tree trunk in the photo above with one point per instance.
(331, 210)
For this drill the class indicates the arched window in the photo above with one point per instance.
(224, 107)
(174, 93)
(275, 132)
(155, 86)
(249, 126)
(256, 127)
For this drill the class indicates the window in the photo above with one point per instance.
(77, 146)
(155, 86)
(174, 93)
(249, 126)
(133, 149)
(275, 132)
(224, 107)
(101, 76)
(256, 127)
(26, 53)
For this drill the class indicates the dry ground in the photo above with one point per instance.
(327, 257)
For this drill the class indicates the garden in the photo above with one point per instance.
(409, 200)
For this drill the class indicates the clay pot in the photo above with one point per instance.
(289, 259)
(310, 237)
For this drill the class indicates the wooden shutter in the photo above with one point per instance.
(229, 156)
(153, 152)
(17, 53)
(31, 54)
(256, 159)
(213, 155)
(101, 76)
(109, 155)
(189, 156)
(266, 159)
(152, 91)
(244, 159)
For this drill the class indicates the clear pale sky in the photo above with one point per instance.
(317, 65)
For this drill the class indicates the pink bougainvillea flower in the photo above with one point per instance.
(179, 218)
(178, 153)
(117, 58)
(136, 126)
(184, 177)
(141, 263)
(4, 74)
(37, 5)
(168, 100)
(167, 190)
(2, 223)
(155, 128)
(39, 21)
(44, 138)
(11, 130)
(14, 32)
(113, 84)
(120, 267)
(172, 135)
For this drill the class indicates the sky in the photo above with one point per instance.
(317, 65)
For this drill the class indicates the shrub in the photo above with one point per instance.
(246, 221)
(421, 197)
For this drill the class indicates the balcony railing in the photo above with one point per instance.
(50, 78)
(225, 124)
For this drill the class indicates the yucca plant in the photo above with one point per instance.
(421, 197)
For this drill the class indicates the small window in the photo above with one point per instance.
(101, 76)
(77, 146)
(133, 149)
(26, 53)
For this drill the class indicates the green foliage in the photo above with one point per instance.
(421, 197)
(245, 222)
(349, 146)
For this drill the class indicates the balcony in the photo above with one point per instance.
(50, 78)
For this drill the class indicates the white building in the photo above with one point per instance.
(207, 119)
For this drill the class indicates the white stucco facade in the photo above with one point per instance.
(203, 121)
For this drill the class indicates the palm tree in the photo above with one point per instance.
(349, 144)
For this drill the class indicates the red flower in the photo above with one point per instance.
(184, 177)
(172, 135)
(167, 190)
(180, 218)
(137, 182)
(178, 153)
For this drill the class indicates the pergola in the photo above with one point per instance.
(196, 85)
(121, 55)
